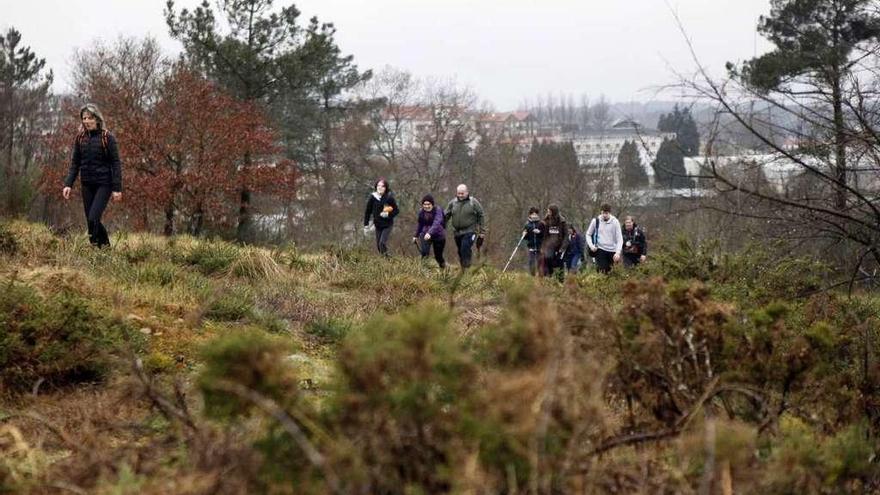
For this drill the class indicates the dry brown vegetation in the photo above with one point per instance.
(215, 368)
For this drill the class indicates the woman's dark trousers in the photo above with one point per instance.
(382, 236)
(95, 199)
(439, 246)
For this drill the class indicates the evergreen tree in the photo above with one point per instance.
(815, 41)
(669, 171)
(629, 164)
(24, 95)
(266, 56)
(683, 125)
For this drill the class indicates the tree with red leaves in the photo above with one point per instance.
(182, 139)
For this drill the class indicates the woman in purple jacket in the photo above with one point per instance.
(430, 231)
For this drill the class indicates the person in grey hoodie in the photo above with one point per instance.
(465, 215)
(605, 240)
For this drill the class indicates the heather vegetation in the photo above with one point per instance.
(185, 365)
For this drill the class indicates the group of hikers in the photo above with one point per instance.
(554, 245)
(464, 215)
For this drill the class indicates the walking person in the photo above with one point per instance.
(635, 243)
(429, 230)
(605, 239)
(574, 255)
(555, 242)
(96, 161)
(533, 233)
(381, 208)
(465, 215)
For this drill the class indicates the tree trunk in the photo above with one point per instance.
(169, 221)
(840, 175)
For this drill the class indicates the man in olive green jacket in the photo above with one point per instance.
(465, 215)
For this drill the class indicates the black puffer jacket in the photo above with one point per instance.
(96, 160)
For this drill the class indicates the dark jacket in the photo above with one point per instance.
(534, 239)
(555, 237)
(375, 207)
(96, 160)
(634, 241)
(575, 247)
(430, 222)
(466, 216)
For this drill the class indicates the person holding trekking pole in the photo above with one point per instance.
(96, 161)
(533, 231)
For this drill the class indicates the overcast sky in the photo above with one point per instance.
(507, 50)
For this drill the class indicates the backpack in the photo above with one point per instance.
(595, 239)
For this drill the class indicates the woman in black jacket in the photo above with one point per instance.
(96, 161)
(382, 208)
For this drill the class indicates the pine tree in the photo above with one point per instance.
(24, 92)
(629, 164)
(669, 171)
(681, 122)
(816, 42)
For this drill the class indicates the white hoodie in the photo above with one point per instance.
(610, 236)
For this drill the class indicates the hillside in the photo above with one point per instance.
(185, 365)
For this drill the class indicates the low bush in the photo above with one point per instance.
(58, 339)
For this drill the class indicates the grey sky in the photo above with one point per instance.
(507, 50)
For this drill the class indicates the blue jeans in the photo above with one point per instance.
(534, 261)
(465, 244)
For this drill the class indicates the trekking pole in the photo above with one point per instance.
(514, 252)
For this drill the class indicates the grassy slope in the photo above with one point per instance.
(177, 294)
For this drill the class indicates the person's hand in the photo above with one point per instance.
(366, 229)
(593, 249)
(616, 257)
(415, 240)
(65, 192)
(642, 258)
(427, 237)
(384, 214)
(116, 196)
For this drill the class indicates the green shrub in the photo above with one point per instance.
(232, 304)
(212, 257)
(331, 330)
(250, 359)
(59, 338)
(8, 243)
(162, 273)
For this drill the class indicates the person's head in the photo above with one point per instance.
(553, 212)
(91, 117)
(571, 230)
(629, 222)
(461, 192)
(534, 214)
(428, 202)
(605, 211)
(381, 186)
